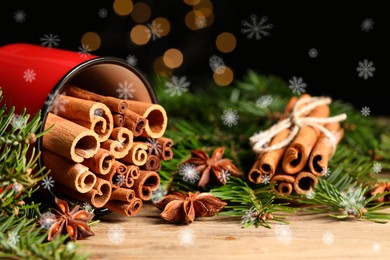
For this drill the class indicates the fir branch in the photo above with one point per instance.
(347, 203)
(255, 206)
(20, 238)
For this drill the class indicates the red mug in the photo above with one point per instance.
(31, 76)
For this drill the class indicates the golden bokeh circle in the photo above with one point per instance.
(173, 58)
(140, 34)
(141, 12)
(160, 68)
(164, 26)
(192, 2)
(92, 40)
(224, 78)
(196, 20)
(226, 42)
(123, 7)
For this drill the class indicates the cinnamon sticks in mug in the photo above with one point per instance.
(293, 153)
(105, 151)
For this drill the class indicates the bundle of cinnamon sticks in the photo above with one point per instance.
(297, 155)
(105, 151)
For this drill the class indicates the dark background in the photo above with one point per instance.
(335, 31)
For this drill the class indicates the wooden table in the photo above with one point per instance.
(147, 236)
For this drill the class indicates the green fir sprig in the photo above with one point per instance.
(21, 237)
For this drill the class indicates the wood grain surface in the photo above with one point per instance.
(147, 236)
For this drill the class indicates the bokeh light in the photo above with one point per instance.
(123, 7)
(140, 34)
(196, 20)
(192, 2)
(160, 68)
(205, 7)
(92, 40)
(225, 78)
(163, 24)
(226, 42)
(173, 58)
(141, 12)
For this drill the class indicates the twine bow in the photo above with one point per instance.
(295, 121)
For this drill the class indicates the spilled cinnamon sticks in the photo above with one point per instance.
(106, 151)
(293, 153)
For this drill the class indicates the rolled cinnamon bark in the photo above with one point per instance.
(133, 171)
(145, 184)
(122, 194)
(153, 163)
(282, 183)
(305, 182)
(267, 162)
(120, 142)
(97, 197)
(115, 104)
(132, 174)
(131, 208)
(74, 175)
(101, 162)
(166, 148)
(117, 169)
(93, 115)
(118, 119)
(134, 122)
(155, 115)
(297, 153)
(323, 149)
(69, 139)
(137, 154)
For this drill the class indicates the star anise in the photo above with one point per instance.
(74, 222)
(179, 207)
(214, 169)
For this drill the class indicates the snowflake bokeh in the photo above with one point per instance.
(230, 117)
(186, 237)
(116, 234)
(255, 28)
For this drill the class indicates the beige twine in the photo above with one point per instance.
(296, 120)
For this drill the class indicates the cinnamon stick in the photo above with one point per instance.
(134, 122)
(115, 104)
(120, 142)
(97, 197)
(323, 149)
(267, 162)
(116, 170)
(155, 115)
(74, 175)
(137, 154)
(122, 194)
(297, 153)
(166, 148)
(101, 162)
(282, 183)
(131, 208)
(93, 115)
(69, 139)
(153, 163)
(145, 184)
(305, 182)
(132, 174)
(118, 119)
